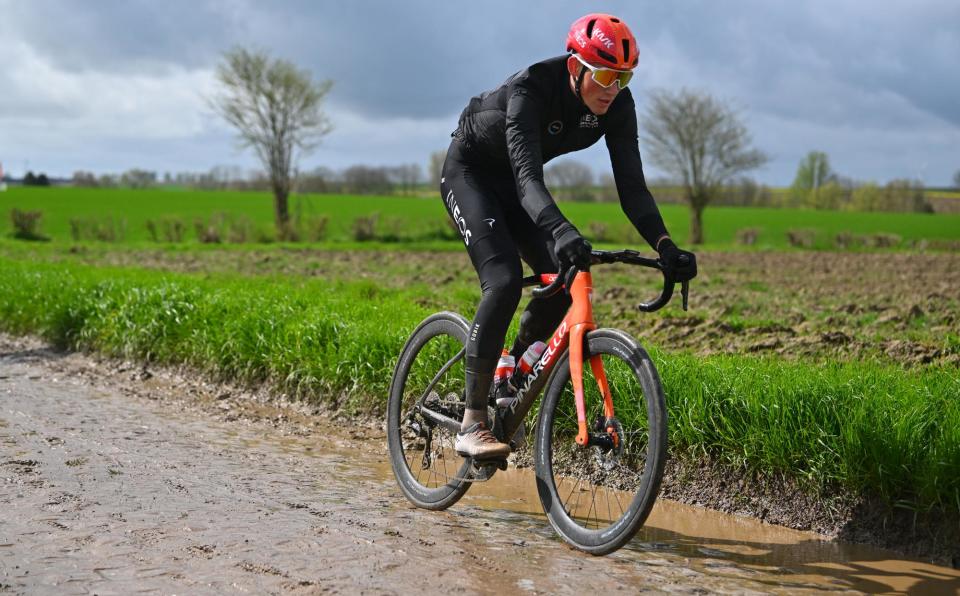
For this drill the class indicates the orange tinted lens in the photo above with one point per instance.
(605, 77)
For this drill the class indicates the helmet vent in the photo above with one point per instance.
(626, 50)
(614, 20)
(607, 56)
(590, 28)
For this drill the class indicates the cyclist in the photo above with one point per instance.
(492, 187)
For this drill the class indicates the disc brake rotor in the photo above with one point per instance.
(608, 455)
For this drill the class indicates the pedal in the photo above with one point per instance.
(481, 471)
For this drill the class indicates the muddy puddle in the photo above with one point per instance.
(104, 491)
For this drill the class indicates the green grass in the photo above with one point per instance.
(424, 220)
(867, 427)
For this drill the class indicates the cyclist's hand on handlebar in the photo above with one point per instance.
(678, 265)
(572, 248)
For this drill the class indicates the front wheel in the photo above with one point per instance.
(597, 497)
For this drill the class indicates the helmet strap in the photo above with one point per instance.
(578, 82)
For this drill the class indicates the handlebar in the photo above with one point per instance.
(630, 257)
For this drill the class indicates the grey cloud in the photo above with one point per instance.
(420, 58)
(911, 53)
(125, 36)
(854, 65)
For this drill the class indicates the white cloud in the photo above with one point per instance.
(386, 140)
(50, 105)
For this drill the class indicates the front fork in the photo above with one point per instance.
(577, 338)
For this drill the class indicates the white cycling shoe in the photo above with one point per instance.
(479, 443)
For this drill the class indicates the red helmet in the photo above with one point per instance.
(603, 40)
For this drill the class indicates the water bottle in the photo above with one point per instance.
(504, 368)
(526, 363)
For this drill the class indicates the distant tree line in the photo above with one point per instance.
(31, 179)
(363, 179)
(356, 179)
(817, 186)
(813, 189)
(217, 178)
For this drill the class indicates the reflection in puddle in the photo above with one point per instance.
(717, 543)
(702, 541)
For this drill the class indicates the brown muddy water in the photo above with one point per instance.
(106, 490)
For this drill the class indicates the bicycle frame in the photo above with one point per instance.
(570, 333)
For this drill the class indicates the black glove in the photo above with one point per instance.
(678, 265)
(571, 248)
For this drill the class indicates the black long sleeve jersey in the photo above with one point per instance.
(533, 117)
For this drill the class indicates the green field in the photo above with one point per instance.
(865, 427)
(423, 221)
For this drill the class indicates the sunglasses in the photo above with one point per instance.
(607, 76)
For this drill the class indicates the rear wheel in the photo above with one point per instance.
(430, 371)
(597, 497)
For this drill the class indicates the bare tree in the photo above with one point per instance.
(276, 109)
(575, 177)
(84, 179)
(361, 179)
(319, 179)
(701, 141)
(137, 178)
(436, 166)
(407, 176)
(956, 179)
(568, 173)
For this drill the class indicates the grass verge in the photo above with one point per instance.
(872, 429)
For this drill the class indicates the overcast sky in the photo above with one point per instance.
(115, 84)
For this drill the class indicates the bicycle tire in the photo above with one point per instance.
(558, 460)
(441, 489)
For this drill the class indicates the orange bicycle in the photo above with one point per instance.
(600, 432)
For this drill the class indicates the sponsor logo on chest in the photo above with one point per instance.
(589, 121)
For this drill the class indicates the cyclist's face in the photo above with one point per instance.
(596, 97)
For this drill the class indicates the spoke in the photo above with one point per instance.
(587, 521)
(577, 502)
(593, 501)
(619, 504)
(558, 484)
(443, 371)
(593, 504)
(567, 500)
(609, 512)
(445, 473)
